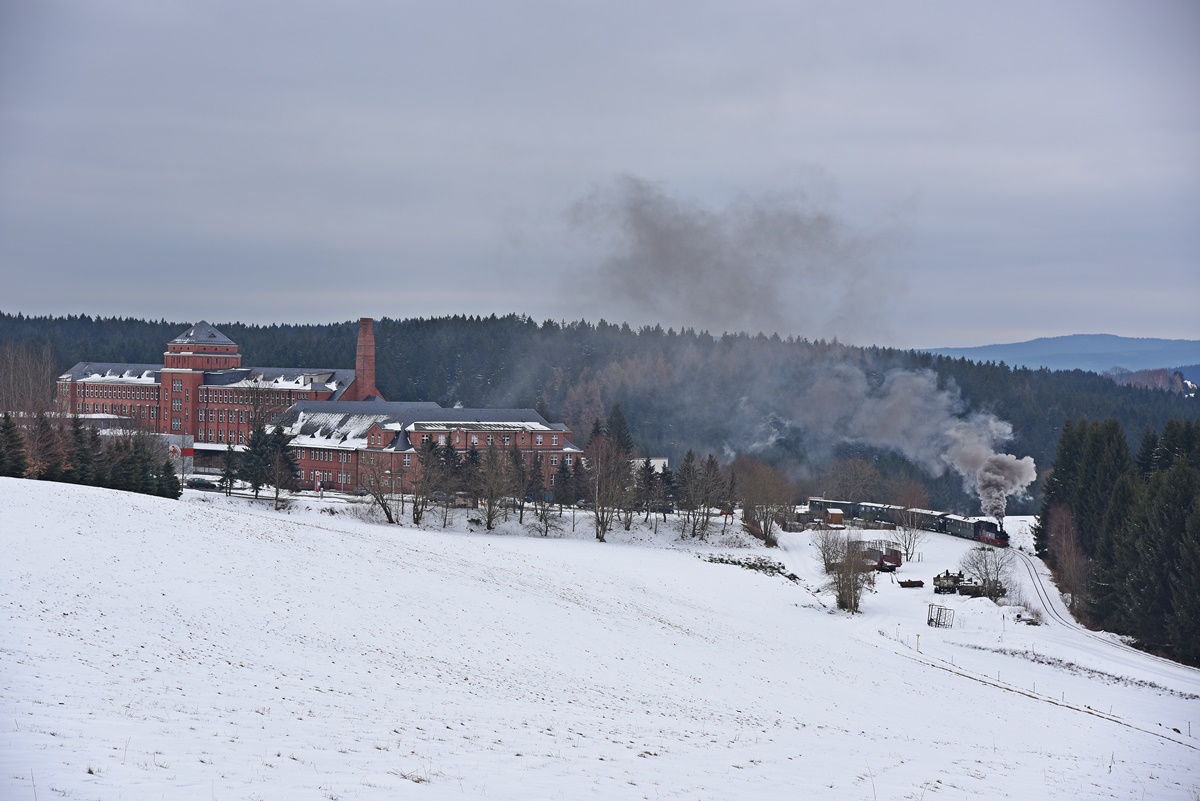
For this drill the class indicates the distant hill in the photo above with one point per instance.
(1095, 352)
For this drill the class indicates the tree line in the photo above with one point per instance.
(46, 448)
(1121, 531)
(680, 390)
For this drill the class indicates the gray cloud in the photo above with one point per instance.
(416, 147)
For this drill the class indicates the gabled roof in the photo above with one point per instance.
(202, 333)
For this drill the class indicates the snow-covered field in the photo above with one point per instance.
(215, 649)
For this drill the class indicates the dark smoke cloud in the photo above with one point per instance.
(782, 263)
(910, 414)
(775, 262)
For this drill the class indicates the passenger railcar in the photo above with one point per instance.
(980, 529)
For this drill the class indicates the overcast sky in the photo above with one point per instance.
(909, 174)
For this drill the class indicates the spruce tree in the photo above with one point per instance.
(618, 429)
(1184, 626)
(1159, 525)
(81, 458)
(229, 469)
(282, 471)
(1147, 455)
(1115, 553)
(15, 457)
(256, 459)
(564, 494)
(168, 482)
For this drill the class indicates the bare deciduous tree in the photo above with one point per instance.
(27, 380)
(991, 567)
(495, 481)
(375, 476)
(851, 480)
(766, 494)
(608, 478)
(850, 575)
(1071, 565)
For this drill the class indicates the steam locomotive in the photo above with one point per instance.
(980, 529)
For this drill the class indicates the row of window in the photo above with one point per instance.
(227, 396)
(209, 434)
(219, 416)
(103, 391)
(322, 456)
(505, 440)
(84, 407)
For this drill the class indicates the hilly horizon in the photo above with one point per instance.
(1097, 353)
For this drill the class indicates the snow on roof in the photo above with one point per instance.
(345, 425)
(113, 373)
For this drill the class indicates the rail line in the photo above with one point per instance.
(1045, 599)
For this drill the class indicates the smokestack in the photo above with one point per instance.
(364, 361)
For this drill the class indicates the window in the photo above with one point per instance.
(491, 440)
(474, 440)
(552, 479)
(507, 440)
(424, 439)
(176, 404)
(241, 438)
(441, 439)
(554, 460)
(554, 439)
(221, 416)
(220, 435)
(177, 385)
(176, 424)
(241, 417)
(537, 440)
(568, 459)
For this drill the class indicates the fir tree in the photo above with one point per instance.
(1147, 457)
(229, 469)
(168, 482)
(564, 494)
(256, 460)
(81, 458)
(14, 458)
(282, 471)
(1115, 552)
(1184, 626)
(618, 429)
(1159, 525)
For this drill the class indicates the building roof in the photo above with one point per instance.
(202, 333)
(345, 424)
(299, 379)
(113, 372)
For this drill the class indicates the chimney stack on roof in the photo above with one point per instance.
(364, 362)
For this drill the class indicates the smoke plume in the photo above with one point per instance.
(776, 263)
(910, 414)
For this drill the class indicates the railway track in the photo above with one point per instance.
(1047, 602)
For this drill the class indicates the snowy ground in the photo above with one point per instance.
(215, 649)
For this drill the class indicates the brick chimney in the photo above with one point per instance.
(364, 361)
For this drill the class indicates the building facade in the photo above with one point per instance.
(367, 444)
(201, 389)
(343, 433)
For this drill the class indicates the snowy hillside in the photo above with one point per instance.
(214, 649)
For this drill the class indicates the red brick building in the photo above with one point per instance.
(343, 431)
(344, 446)
(202, 389)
